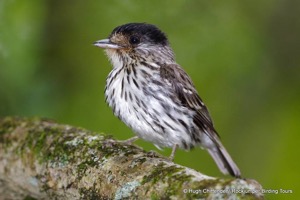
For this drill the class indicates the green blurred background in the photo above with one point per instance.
(243, 57)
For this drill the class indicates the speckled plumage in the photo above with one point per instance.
(153, 95)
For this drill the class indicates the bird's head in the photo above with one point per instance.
(137, 41)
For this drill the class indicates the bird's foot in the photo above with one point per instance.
(152, 154)
(109, 143)
(129, 141)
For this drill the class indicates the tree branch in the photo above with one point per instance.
(45, 160)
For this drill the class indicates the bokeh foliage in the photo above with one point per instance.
(243, 57)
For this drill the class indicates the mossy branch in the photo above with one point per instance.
(44, 160)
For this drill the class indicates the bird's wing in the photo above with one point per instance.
(187, 95)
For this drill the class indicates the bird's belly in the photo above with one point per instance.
(151, 119)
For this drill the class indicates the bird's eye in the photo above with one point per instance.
(134, 40)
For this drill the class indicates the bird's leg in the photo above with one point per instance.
(130, 140)
(173, 152)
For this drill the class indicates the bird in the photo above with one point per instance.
(155, 97)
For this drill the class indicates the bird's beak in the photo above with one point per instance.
(106, 44)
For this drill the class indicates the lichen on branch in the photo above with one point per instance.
(42, 159)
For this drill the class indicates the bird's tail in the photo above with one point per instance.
(224, 161)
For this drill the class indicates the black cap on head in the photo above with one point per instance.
(147, 31)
